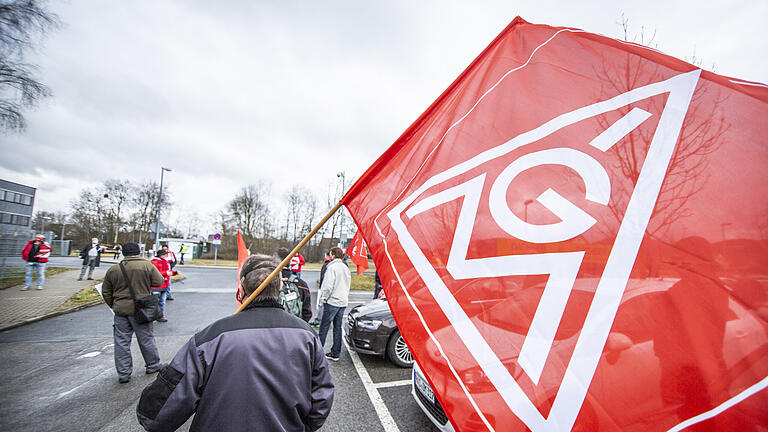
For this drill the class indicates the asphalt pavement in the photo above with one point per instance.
(58, 373)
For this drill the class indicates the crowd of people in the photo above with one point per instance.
(230, 367)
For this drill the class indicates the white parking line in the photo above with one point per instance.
(389, 384)
(378, 403)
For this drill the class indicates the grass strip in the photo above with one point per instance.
(364, 282)
(85, 295)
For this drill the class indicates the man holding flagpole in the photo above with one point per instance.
(235, 373)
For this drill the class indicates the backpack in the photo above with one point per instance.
(290, 298)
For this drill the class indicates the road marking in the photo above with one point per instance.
(389, 384)
(387, 422)
(62, 394)
(90, 354)
(203, 290)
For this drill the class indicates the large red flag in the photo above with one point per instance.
(573, 235)
(358, 253)
(242, 255)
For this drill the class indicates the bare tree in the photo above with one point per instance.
(118, 194)
(20, 20)
(42, 220)
(87, 215)
(145, 201)
(301, 213)
(249, 212)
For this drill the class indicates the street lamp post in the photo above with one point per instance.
(340, 174)
(63, 224)
(159, 202)
(44, 218)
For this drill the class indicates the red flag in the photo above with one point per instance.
(574, 236)
(242, 255)
(358, 253)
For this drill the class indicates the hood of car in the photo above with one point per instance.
(375, 309)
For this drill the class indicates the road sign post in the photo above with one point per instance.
(216, 242)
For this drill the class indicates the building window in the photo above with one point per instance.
(14, 197)
(14, 219)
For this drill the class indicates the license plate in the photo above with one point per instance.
(423, 387)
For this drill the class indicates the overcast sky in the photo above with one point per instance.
(229, 93)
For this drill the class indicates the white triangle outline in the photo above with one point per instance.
(594, 334)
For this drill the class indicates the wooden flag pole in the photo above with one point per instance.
(287, 259)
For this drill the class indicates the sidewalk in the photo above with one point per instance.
(22, 307)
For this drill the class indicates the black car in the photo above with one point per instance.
(371, 329)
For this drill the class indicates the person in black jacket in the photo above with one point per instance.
(315, 322)
(91, 255)
(261, 369)
(305, 295)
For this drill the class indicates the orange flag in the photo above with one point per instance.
(358, 252)
(242, 254)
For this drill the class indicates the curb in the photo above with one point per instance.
(62, 312)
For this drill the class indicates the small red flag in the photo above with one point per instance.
(358, 253)
(242, 254)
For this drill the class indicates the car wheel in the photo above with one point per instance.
(398, 351)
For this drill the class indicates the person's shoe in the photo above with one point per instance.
(162, 319)
(169, 298)
(25, 289)
(123, 380)
(90, 278)
(156, 368)
(39, 288)
(314, 324)
(330, 357)
(79, 278)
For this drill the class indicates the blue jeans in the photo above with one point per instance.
(163, 295)
(168, 290)
(30, 269)
(333, 314)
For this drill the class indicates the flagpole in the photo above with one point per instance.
(288, 258)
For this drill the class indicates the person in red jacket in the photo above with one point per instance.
(164, 268)
(296, 262)
(170, 257)
(36, 254)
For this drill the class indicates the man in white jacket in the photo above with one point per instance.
(333, 296)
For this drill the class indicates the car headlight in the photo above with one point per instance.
(368, 324)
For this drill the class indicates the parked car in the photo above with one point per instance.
(371, 329)
(425, 398)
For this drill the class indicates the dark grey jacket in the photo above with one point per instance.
(262, 369)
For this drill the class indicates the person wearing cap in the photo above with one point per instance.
(91, 256)
(262, 369)
(117, 295)
(36, 254)
(170, 257)
(165, 269)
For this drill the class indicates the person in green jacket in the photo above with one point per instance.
(143, 275)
